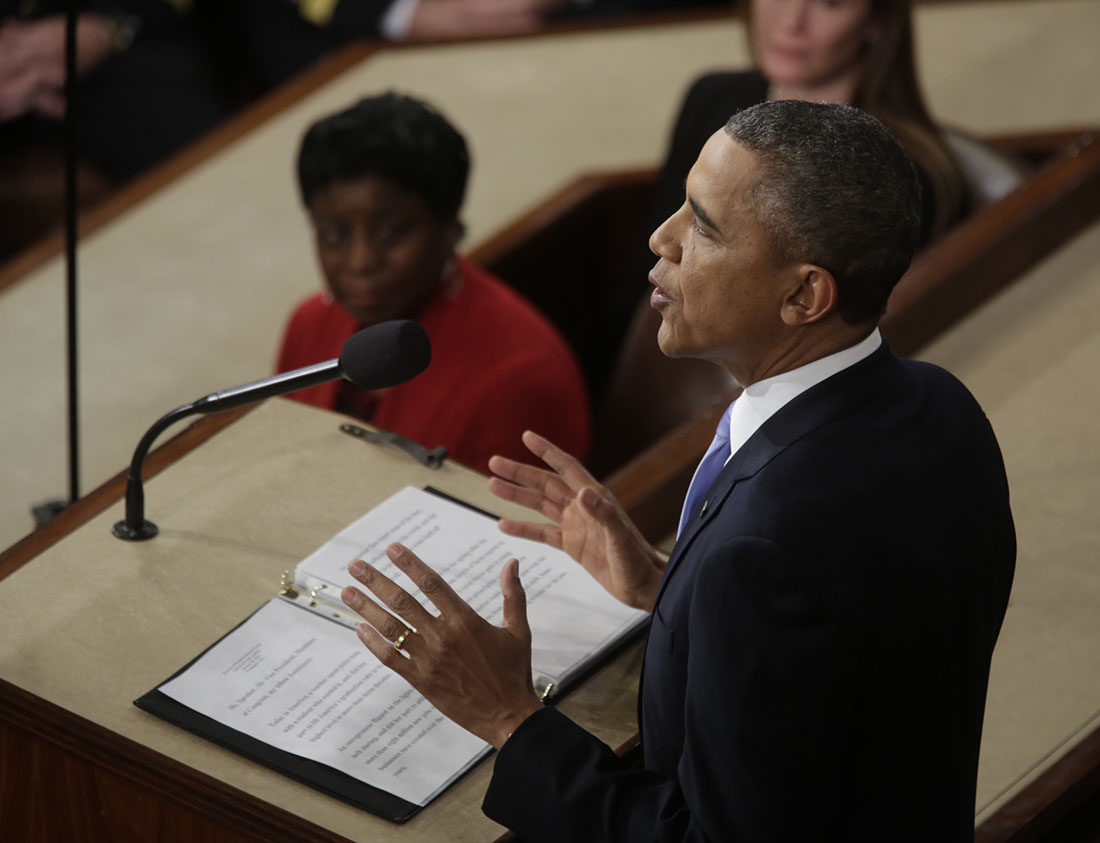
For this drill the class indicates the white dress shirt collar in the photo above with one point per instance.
(758, 402)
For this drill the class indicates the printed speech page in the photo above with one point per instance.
(299, 681)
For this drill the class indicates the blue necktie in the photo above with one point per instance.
(709, 467)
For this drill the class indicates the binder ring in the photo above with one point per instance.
(400, 639)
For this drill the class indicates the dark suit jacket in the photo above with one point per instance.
(819, 653)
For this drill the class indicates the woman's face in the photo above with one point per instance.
(809, 43)
(382, 248)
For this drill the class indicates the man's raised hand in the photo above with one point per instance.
(588, 523)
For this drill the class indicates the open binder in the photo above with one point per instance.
(293, 688)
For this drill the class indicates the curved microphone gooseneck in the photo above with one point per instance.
(377, 357)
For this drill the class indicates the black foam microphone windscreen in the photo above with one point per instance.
(385, 354)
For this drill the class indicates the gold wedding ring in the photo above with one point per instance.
(401, 639)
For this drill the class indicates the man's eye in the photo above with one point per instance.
(699, 229)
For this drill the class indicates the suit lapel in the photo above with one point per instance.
(821, 404)
(832, 399)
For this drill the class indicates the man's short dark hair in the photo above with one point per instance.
(835, 189)
(393, 136)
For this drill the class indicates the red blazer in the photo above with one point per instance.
(498, 368)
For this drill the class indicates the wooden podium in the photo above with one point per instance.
(91, 622)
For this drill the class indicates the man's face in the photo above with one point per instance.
(381, 247)
(718, 288)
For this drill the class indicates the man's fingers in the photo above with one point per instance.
(516, 481)
(601, 509)
(592, 503)
(385, 652)
(566, 466)
(515, 603)
(390, 593)
(504, 467)
(546, 533)
(387, 626)
(530, 477)
(530, 498)
(435, 588)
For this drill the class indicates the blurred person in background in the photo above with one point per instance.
(851, 52)
(145, 90)
(286, 36)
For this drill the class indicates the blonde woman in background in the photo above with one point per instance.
(856, 52)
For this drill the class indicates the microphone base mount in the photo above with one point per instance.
(125, 530)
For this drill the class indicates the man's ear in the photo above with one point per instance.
(812, 298)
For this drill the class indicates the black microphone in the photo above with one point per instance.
(377, 357)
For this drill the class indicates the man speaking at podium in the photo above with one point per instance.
(822, 632)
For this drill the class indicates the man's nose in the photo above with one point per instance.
(665, 241)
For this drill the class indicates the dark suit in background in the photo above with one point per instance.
(280, 42)
(820, 647)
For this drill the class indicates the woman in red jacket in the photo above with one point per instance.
(383, 182)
